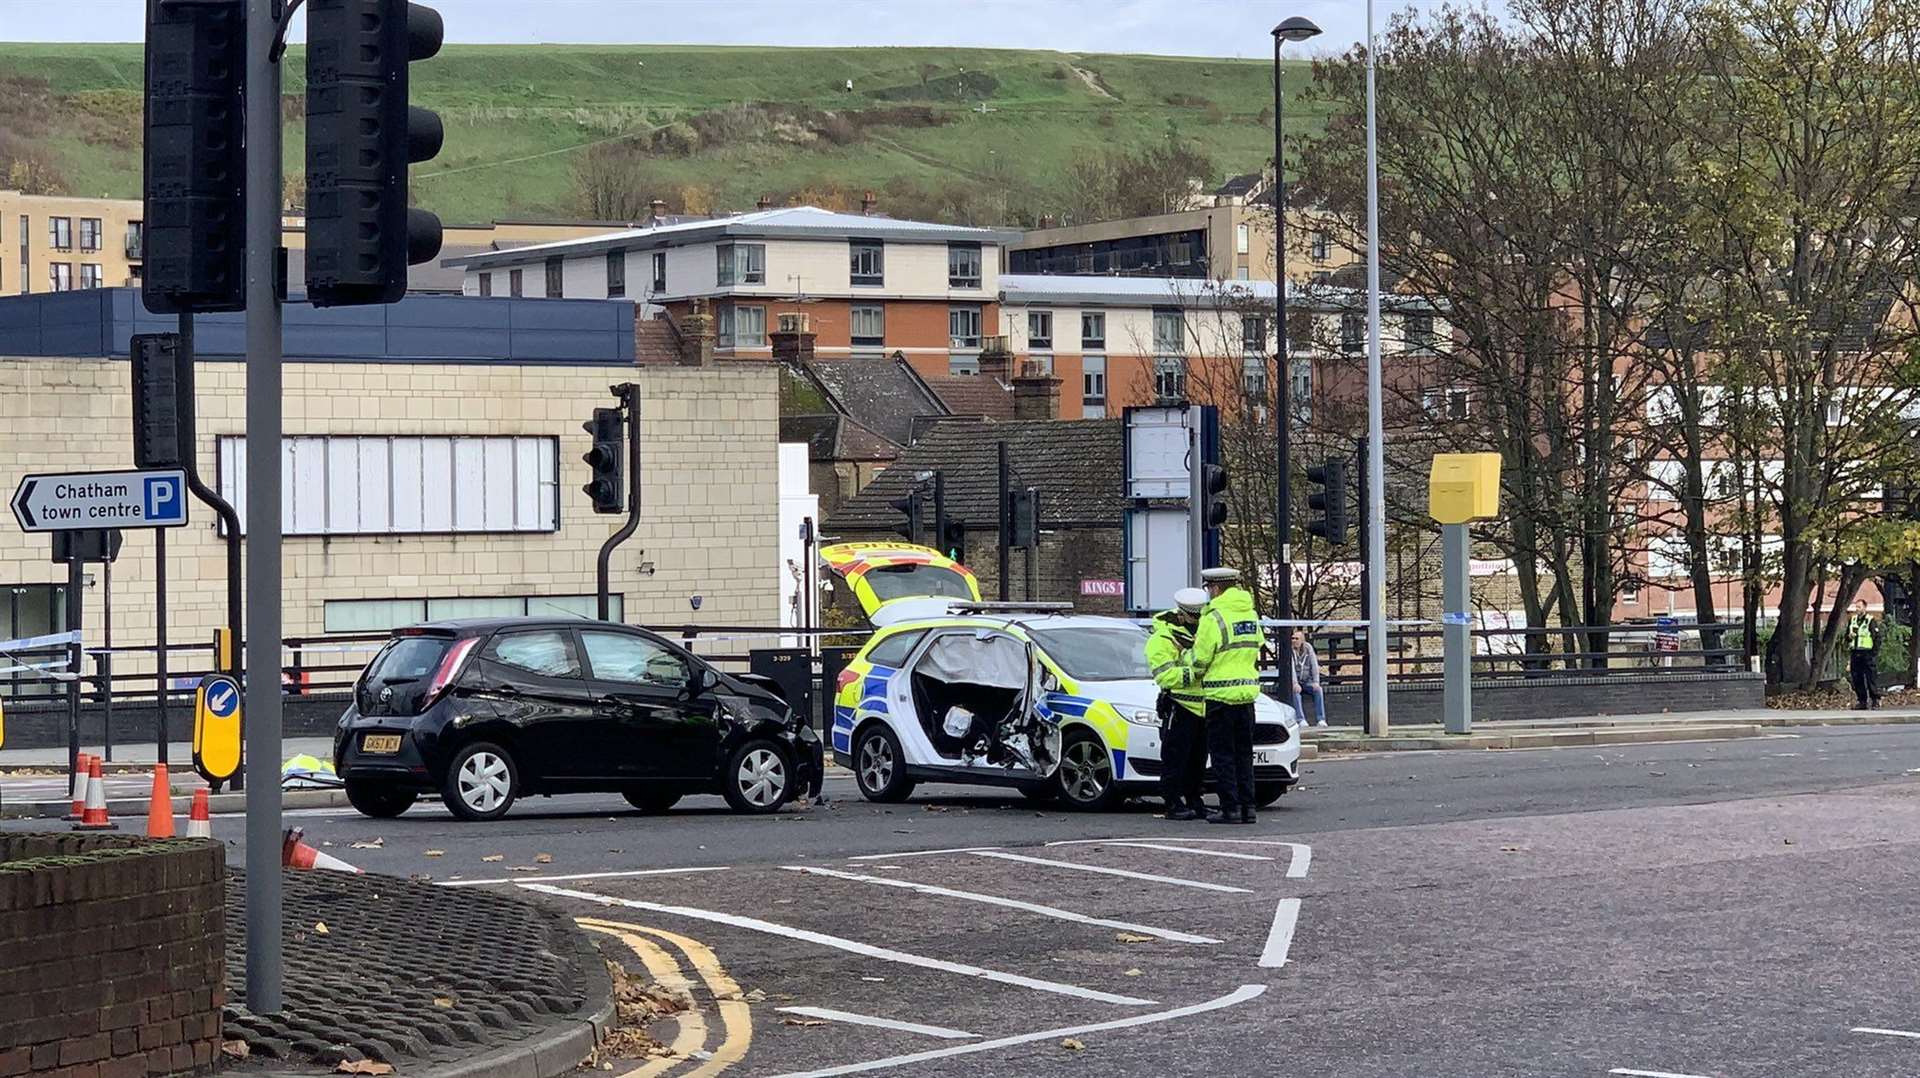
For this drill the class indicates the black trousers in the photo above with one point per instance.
(1183, 757)
(1860, 670)
(1230, 741)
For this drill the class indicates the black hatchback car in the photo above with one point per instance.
(485, 711)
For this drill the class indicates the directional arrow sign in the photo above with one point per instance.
(69, 501)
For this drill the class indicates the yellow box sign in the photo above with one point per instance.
(216, 728)
(1464, 487)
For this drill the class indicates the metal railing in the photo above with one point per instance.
(1528, 653)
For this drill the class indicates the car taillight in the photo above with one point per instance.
(456, 657)
(848, 675)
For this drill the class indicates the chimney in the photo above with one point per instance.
(765, 203)
(659, 208)
(867, 203)
(1036, 393)
(996, 362)
(792, 342)
(696, 336)
(1046, 220)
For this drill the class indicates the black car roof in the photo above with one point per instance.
(481, 626)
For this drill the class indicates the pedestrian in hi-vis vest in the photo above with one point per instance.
(1863, 643)
(1182, 710)
(1226, 655)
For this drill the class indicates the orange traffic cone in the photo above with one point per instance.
(79, 786)
(94, 816)
(199, 821)
(295, 853)
(160, 805)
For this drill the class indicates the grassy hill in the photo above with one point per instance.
(721, 125)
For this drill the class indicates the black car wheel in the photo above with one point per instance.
(378, 800)
(653, 804)
(879, 769)
(481, 782)
(1266, 793)
(758, 778)
(1085, 779)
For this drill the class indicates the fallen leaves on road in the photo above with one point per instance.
(936, 808)
(876, 980)
(1131, 973)
(802, 1022)
(755, 995)
(1132, 937)
(363, 1066)
(492, 857)
(443, 1002)
(1073, 1044)
(434, 853)
(521, 868)
(320, 928)
(236, 1049)
(1513, 849)
(543, 859)
(376, 843)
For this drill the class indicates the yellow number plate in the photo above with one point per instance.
(380, 743)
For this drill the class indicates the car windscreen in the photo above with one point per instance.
(891, 582)
(408, 658)
(1105, 653)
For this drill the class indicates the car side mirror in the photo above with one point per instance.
(704, 681)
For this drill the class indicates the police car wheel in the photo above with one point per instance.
(879, 769)
(378, 800)
(1085, 778)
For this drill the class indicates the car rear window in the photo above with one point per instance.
(912, 580)
(409, 658)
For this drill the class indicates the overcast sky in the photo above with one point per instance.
(1188, 27)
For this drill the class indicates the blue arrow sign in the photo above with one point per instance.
(223, 697)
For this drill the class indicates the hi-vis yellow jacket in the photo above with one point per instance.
(1171, 666)
(1226, 649)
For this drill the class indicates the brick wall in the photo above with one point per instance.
(1066, 557)
(112, 951)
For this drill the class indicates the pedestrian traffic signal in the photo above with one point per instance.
(194, 243)
(1213, 495)
(1329, 503)
(361, 135)
(909, 507)
(607, 458)
(156, 400)
(1025, 517)
(953, 539)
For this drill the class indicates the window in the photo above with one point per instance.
(963, 265)
(1170, 378)
(1253, 334)
(868, 325)
(616, 274)
(1447, 404)
(1242, 273)
(634, 659)
(1040, 329)
(1253, 376)
(893, 650)
(1321, 277)
(555, 276)
(1419, 331)
(486, 284)
(89, 233)
(1322, 247)
(60, 233)
(741, 263)
(1093, 331)
(967, 364)
(741, 327)
(26, 250)
(1353, 332)
(1093, 380)
(1169, 333)
(1242, 238)
(1301, 395)
(60, 276)
(963, 327)
(379, 615)
(90, 276)
(513, 282)
(659, 271)
(407, 485)
(547, 652)
(136, 239)
(868, 262)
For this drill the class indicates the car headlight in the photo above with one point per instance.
(1143, 718)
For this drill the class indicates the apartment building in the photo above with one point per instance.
(863, 285)
(52, 243)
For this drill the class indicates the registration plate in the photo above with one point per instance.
(1266, 756)
(381, 743)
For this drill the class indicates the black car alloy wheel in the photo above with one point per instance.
(758, 778)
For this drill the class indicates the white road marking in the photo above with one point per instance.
(1009, 903)
(850, 1018)
(887, 954)
(1886, 1032)
(1654, 1074)
(1296, 869)
(1280, 936)
(1105, 871)
(581, 876)
(1239, 995)
(920, 853)
(1184, 849)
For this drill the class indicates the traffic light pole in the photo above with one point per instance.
(230, 520)
(263, 429)
(629, 395)
(1006, 516)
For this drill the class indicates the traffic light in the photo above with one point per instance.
(1213, 495)
(953, 539)
(156, 400)
(361, 135)
(1025, 515)
(195, 238)
(909, 507)
(607, 458)
(1329, 503)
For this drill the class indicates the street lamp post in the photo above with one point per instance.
(1376, 507)
(1294, 29)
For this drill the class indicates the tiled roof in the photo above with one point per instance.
(654, 341)
(974, 395)
(1076, 464)
(836, 437)
(882, 394)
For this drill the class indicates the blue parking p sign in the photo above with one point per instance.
(164, 505)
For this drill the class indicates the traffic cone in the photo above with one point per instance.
(94, 816)
(199, 821)
(296, 854)
(79, 786)
(160, 805)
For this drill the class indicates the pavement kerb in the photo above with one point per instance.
(556, 1052)
(137, 806)
(1536, 739)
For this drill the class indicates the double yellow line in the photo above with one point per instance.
(735, 1017)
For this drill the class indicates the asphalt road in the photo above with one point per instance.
(1731, 908)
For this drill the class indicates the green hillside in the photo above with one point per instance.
(716, 125)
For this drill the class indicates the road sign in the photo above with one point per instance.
(1104, 588)
(70, 501)
(216, 728)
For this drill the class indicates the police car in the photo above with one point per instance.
(1031, 696)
